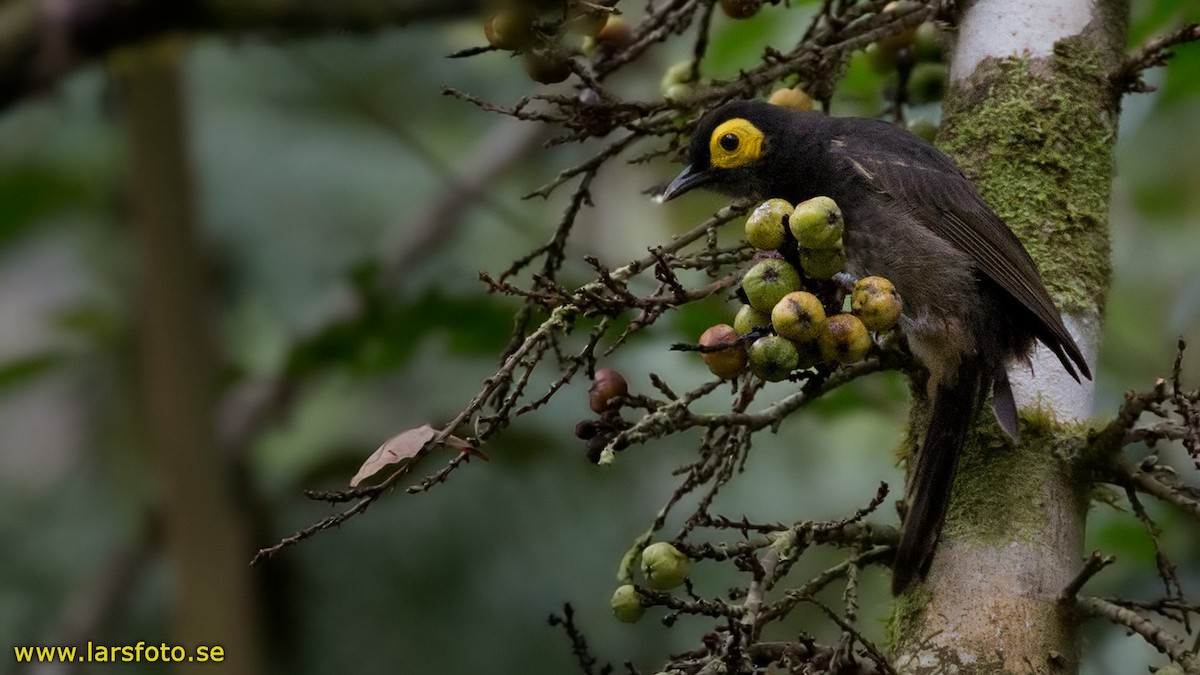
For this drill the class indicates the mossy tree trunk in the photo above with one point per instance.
(1031, 116)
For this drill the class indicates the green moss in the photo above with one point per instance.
(1000, 493)
(908, 615)
(1049, 174)
(1037, 138)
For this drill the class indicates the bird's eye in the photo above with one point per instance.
(735, 142)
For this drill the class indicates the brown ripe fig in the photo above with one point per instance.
(904, 38)
(740, 9)
(608, 391)
(793, 98)
(614, 36)
(798, 316)
(546, 66)
(876, 302)
(726, 363)
(845, 339)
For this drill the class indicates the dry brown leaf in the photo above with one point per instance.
(405, 446)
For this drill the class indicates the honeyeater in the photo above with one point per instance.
(973, 300)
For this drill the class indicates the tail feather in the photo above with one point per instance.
(1005, 406)
(954, 410)
(1063, 345)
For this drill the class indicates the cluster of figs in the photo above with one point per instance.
(794, 316)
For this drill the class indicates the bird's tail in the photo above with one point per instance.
(954, 410)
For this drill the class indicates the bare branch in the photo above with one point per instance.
(1153, 634)
(1153, 54)
(42, 42)
(1091, 567)
(1161, 483)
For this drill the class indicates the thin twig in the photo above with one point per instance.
(1153, 634)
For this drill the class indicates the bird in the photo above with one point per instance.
(973, 300)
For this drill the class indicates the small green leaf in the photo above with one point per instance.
(21, 371)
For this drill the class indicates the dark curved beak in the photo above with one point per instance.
(687, 179)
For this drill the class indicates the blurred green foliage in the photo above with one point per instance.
(310, 159)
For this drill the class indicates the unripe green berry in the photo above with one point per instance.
(773, 358)
(798, 316)
(678, 92)
(511, 28)
(900, 40)
(817, 223)
(876, 302)
(585, 20)
(768, 281)
(765, 227)
(926, 46)
(822, 263)
(881, 59)
(927, 83)
(664, 566)
(679, 77)
(919, 126)
(845, 339)
(726, 363)
(749, 319)
(627, 604)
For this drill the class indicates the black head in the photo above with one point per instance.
(740, 149)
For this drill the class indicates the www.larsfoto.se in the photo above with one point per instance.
(139, 653)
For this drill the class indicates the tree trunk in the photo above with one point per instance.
(204, 535)
(1031, 117)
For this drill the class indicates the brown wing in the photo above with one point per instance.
(915, 174)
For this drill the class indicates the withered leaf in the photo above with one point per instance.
(405, 446)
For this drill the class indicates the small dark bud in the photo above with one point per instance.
(595, 446)
(586, 429)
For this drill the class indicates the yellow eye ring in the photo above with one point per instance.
(735, 143)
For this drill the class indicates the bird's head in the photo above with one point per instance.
(741, 149)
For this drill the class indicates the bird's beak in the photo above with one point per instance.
(687, 179)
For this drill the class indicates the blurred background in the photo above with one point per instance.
(290, 231)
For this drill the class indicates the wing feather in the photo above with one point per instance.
(931, 185)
